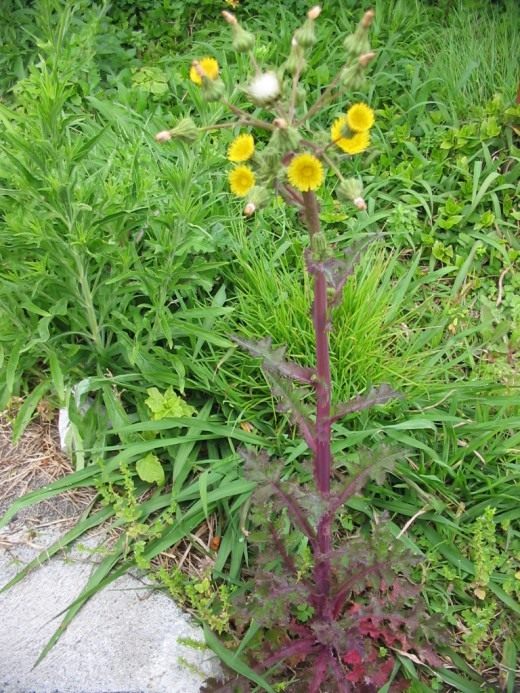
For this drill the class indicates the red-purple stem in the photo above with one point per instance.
(322, 455)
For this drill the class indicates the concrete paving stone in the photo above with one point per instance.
(126, 639)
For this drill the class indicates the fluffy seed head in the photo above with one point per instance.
(314, 12)
(264, 88)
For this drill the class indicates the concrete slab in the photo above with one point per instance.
(127, 639)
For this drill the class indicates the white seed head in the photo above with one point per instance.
(265, 87)
(314, 12)
(360, 203)
(249, 209)
(163, 136)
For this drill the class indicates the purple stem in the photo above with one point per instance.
(322, 455)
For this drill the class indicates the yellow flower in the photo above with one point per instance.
(242, 148)
(305, 172)
(360, 117)
(210, 68)
(355, 144)
(241, 180)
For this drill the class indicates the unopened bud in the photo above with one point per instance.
(295, 63)
(213, 89)
(257, 198)
(280, 123)
(366, 58)
(352, 77)
(306, 35)
(163, 136)
(352, 189)
(368, 18)
(243, 40)
(360, 203)
(229, 17)
(314, 12)
(185, 130)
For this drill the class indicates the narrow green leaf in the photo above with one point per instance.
(232, 661)
(27, 410)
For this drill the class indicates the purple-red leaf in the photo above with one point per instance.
(291, 399)
(274, 359)
(377, 395)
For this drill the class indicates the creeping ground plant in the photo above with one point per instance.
(338, 618)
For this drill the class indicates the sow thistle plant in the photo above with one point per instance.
(338, 619)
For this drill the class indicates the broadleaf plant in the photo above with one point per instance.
(338, 620)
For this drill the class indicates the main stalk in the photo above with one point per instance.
(322, 457)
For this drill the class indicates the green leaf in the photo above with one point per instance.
(150, 469)
(167, 405)
(232, 661)
(27, 410)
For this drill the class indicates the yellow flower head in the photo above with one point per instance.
(360, 117)
(241, 180)
(305, 172)
(210, 68)
(242, 148)
(355, 144)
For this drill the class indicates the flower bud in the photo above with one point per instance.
(366, 58)
(280, 123)
(352, 77)
(163, 136)
(358, 43)
(243, 40)
(314, 12)
(293, 137)
(185, 130)
(264, 89)
(295, 63)
(306, 35)
(368, 18)
(257, 198)
(301, 94)
(229, 17)
(213, 89)
(352, 189)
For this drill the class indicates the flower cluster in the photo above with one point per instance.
(297, 156)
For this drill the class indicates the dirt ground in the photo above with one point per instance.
(36, 460)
